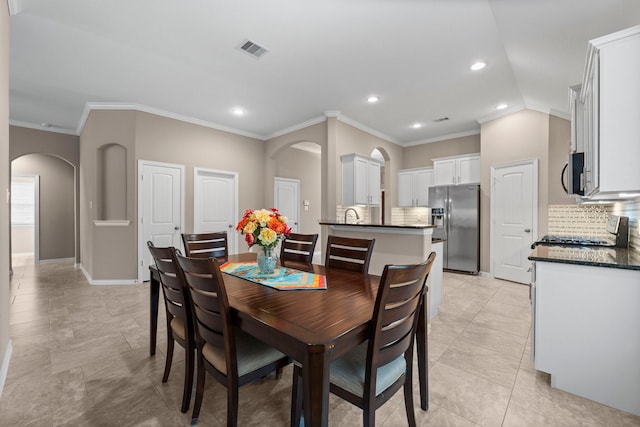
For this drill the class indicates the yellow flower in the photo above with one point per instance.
(262, 216)
(249, 228)
(283, 219)
(268, 236)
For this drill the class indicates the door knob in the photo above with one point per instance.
(176, 228)
(230, 226)
(527, 230)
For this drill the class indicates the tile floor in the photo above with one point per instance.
(80, 358)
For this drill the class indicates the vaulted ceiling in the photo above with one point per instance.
(182, 58)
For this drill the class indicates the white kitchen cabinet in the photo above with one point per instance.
(360, 180)
(456, 170)
(413, 187)
(585, 331)
(610, 110)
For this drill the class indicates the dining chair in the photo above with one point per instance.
(298, 248)
(371, 373)
(180, 326)
(233, 357)
(206, 245)
(348, 253)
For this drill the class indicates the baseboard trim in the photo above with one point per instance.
(105, 282)
(51, 261)
(5, 366)
(485, 274)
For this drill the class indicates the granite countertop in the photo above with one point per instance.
(438, 240)
(412, 225)
(593, 255)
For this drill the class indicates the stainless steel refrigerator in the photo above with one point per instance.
(455, 211)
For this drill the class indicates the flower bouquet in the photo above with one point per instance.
(264, 228)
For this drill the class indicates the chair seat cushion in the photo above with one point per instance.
(177, 326)
(348, 371)
(252, 354)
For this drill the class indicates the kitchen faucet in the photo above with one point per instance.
(354, 211)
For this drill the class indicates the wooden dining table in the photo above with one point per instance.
(314, 327)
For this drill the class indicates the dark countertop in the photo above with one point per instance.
(414, 225)
(438, 240)
(593, 256)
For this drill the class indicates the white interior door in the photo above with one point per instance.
(215, 203)
(287, 200)
(160, 209)
(514, 200)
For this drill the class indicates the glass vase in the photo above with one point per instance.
(267, 261)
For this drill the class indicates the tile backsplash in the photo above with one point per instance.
(410, 215)
(591, 220)
(579, 220)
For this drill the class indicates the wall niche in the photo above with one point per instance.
(112, 182)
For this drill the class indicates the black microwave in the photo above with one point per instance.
(575, 174)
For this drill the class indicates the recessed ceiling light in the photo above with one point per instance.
(416, 125)
(45, 125)
(478, 66)
(237, 111)
(373, 99)
(501, 107)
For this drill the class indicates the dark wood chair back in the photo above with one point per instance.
(176, 297)
(210, 305)
(391, 338)
(206, 245)
(349, 254)
(298, 248)
(396, 311)
(180, 325)
(219, 342)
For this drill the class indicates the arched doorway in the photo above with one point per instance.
(379, 153)
(55, 232)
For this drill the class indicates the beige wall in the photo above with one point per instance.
(4, 187)
(57, 225)
(419, 156)
(559, 144)
(110, 253)
(520, 136)
(305, 166)
(24, 141)
(107, 252)
(353, 140)
(286, 162)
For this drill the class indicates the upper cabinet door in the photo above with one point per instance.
(405, 189)
(611, 108)
(468, 170)
(361, 184)
(375, 196)
(457, 170)
(424, 180)
(444, 172)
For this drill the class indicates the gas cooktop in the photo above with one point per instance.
(572, 241)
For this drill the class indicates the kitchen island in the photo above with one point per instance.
(395, 244)
(398, 244)
(585, 317)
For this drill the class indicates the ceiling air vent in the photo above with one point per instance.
(253, 49)
(441, 119)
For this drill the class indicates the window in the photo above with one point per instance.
(23, 201)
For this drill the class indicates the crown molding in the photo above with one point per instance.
(15, 7)
(331, 113)
(294, 128)
(54, 129)
(560, 114)
(89, 106)
(502, 113)
(443, 137)
(365, 128)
